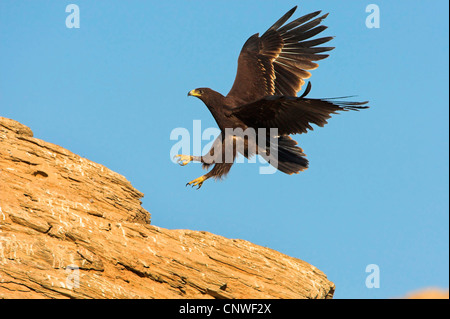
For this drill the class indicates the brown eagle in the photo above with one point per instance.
(271, 71)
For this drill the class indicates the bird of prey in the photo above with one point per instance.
(272, 69)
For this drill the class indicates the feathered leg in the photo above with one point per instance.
(217, 156)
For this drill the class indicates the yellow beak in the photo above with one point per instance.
(194, 93)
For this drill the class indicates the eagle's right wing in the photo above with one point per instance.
(277, 62)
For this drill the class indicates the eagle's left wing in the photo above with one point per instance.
(291, 115)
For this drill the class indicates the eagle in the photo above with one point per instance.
(262, 109)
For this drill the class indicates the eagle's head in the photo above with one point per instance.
(208, 96)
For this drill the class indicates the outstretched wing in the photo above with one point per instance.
(292, 115)
(277, 62)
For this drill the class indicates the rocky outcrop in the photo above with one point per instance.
(428, 293)
(71, 228)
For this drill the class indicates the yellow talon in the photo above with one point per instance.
(183, 159)
(197, 182)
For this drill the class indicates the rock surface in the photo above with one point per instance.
(71, 228)
(428, 293)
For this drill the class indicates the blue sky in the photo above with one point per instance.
(377, 188)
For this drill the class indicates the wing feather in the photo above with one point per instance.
(282, 20)
(292, 115)
(299, 21)
(277, 62)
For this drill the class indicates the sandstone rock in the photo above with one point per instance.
(71, 228)
(428, 293)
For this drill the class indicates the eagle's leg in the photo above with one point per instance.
(218, 171)
(198, 181)
(186, 159)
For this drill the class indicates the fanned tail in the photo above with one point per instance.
(286, 156)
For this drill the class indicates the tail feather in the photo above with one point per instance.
(289, 158)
